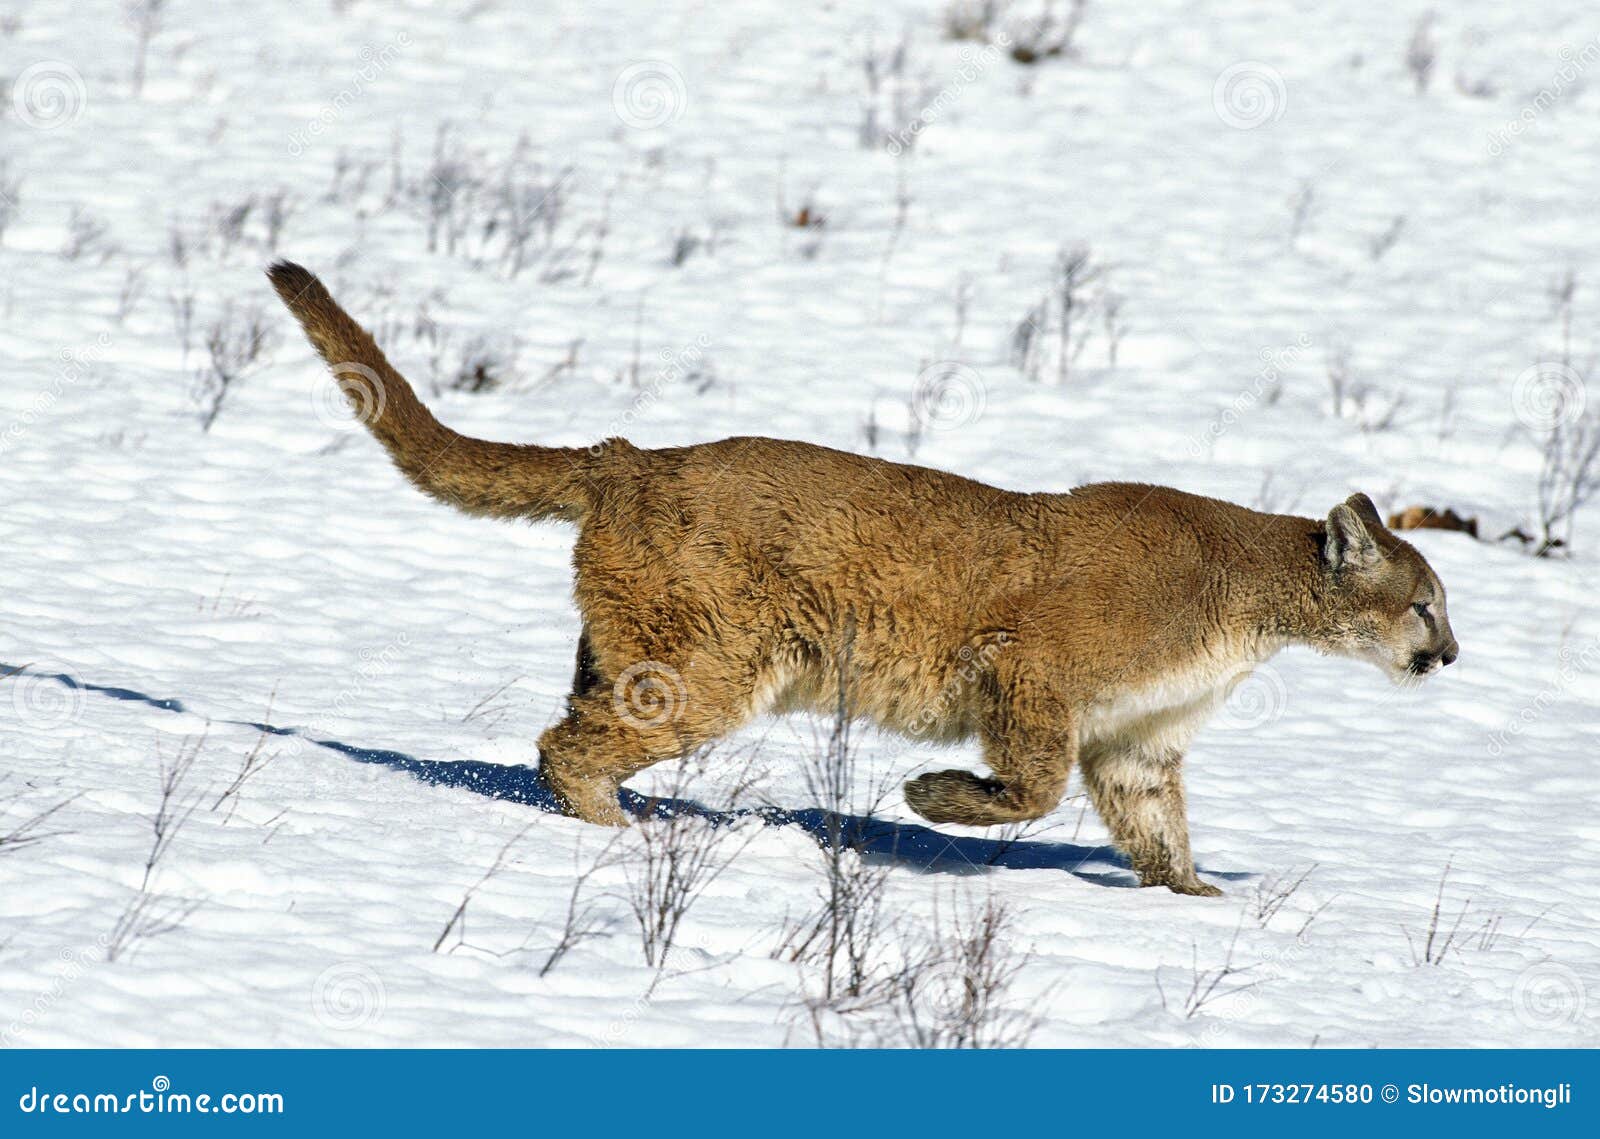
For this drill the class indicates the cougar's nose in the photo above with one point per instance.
(1450, 652)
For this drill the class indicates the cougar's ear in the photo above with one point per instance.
(1349, 544)
(1364, 509)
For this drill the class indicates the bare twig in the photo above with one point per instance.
(458, 918)
(1422, 52)
(1209, 985)
(582, 920)
(957, 992)
(674, 858)
(253, 764)
(29, 830)
(1443, 934)
(234, 345)
(149, 914)
(1273, 893)
(174, 808)
(146, 17)
(841, 938)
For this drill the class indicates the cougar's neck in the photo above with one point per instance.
(1282, 586)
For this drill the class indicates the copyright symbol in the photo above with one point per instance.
(1390, 1093)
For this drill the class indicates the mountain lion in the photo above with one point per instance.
(1096, 629)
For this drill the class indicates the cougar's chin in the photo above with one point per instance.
(1406, 678)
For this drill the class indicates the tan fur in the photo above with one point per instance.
(726, 580)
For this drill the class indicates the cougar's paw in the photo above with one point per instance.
(921, 796)
(1177, 882)
(948, 796)
(593, 801)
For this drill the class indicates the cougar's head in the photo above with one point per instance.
(1383, 601)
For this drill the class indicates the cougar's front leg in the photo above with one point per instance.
(1030, 742)
(1138, 792)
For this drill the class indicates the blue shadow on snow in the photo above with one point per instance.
(911, 844)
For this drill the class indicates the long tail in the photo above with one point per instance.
(500, 480)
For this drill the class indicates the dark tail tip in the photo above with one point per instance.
(292, 281)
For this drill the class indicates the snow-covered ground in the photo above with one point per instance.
(1263, 186)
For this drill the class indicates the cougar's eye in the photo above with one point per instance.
(1421, 608)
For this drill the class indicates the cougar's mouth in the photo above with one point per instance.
(1424, 664)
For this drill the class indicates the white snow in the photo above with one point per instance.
(276, 569)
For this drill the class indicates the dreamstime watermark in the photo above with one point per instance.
(374, 64)
(1573, 64)
(348, 995)
(1249, 94)
(649, 94)
(947, 395)
(972, 664)
(676, 366)
(1549, 995)
(973, 64)
(43, 700)
(348, 396)
(1574, 664)
(158, 1099)
(1263, 389)
(48, 94)
(1548, 395)
(72, 365)
(375, 663)
(1243, 999)
(959, 998)
(649, 694)
(620, 1025)
(1253, 695)
(72, 964)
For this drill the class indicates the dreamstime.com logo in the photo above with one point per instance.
(676, 366)
(1248, 95)
(48, 95)
(953, 994)
(73, 364)
(649, 94)
(1255, 695)
(649, 694)
(158, 1099)
(374, 62)
(1263, 389)
(1548, 395)
(971, 665)
(1566, 80)
(72, 964)
(1548, 996)
(348, 396)
(42, 701)
(973, 65)
(347, 996)
(948, 395)
(375, 663)
(1242, 1001)
(682, 956)
(1574, 664)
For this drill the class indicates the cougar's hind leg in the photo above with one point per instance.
(586, 672)
(617, 727)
